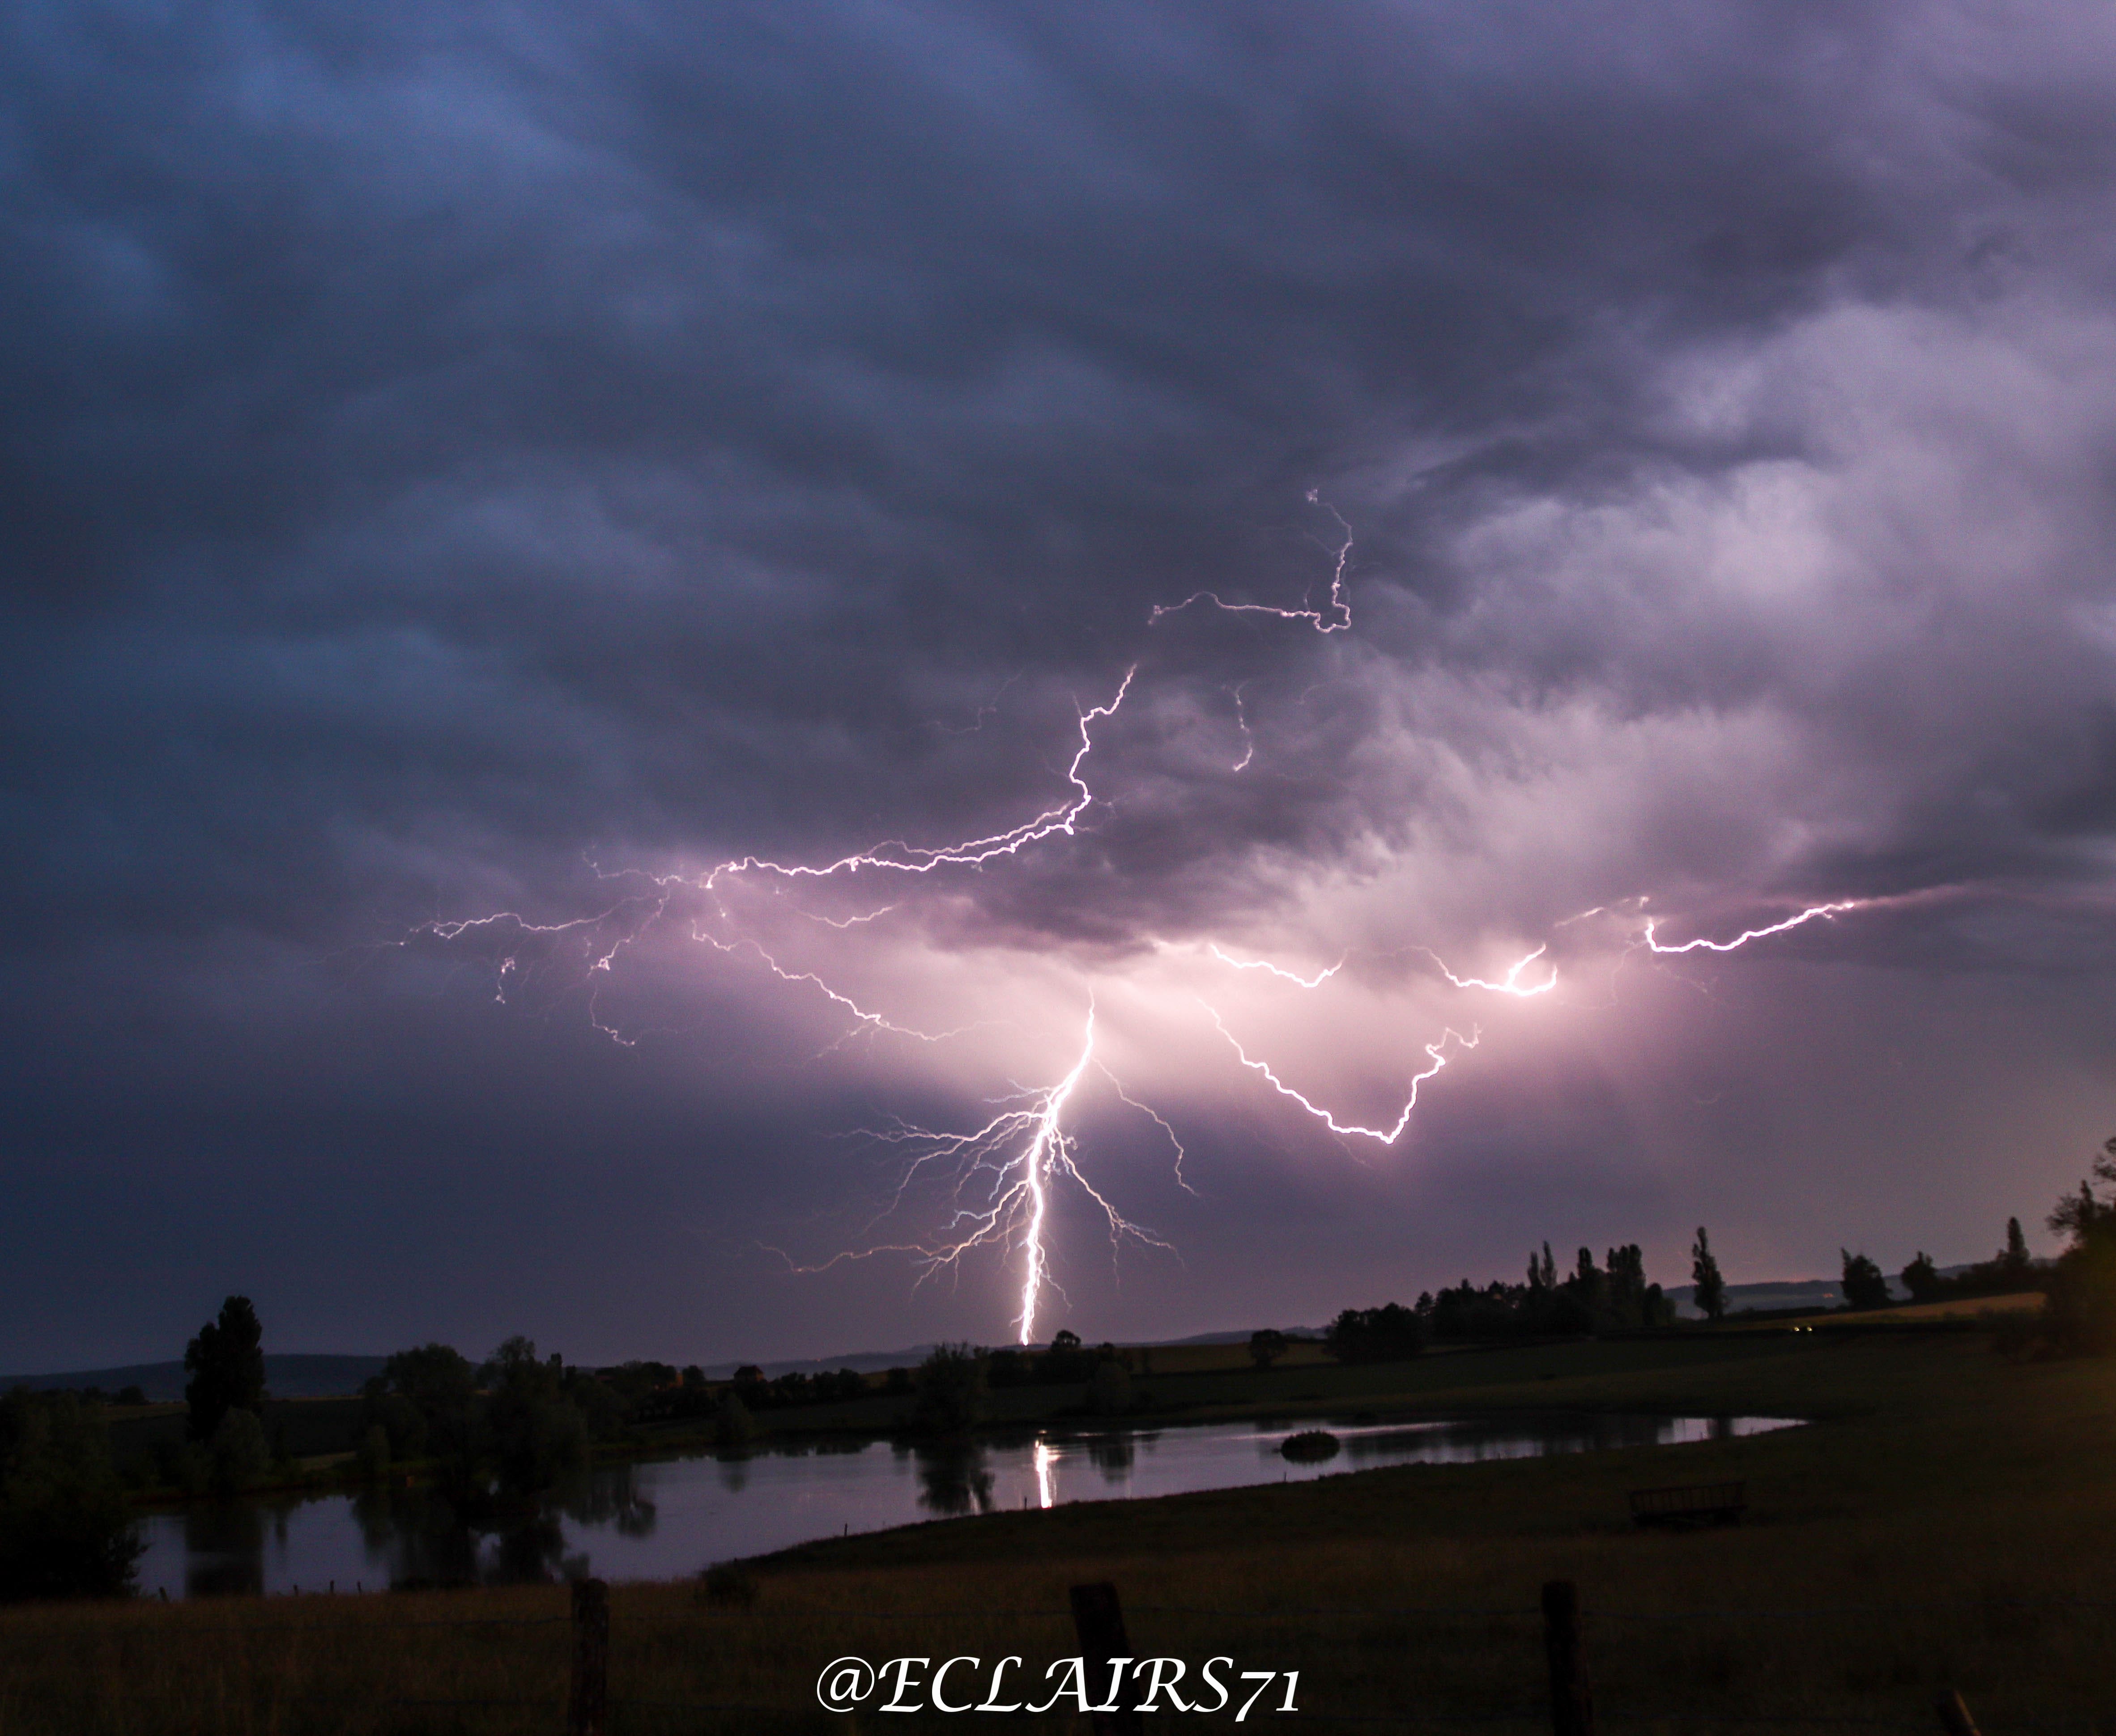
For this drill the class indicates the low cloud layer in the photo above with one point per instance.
(458, 463)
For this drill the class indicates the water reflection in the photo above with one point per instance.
(224, 1548)
(1113, 1456)
(668, 1518)
(953, 1477)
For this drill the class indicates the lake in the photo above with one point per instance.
(663, 1519)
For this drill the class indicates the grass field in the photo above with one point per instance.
(1949, 1518)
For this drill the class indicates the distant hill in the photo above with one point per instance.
(285, 1377)
(871, 1362)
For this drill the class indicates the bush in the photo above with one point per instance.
(65, 1531)
(239, 1452)
(372, 1455)
(2080, 1314)
(1109, 1393)
(732, 1425)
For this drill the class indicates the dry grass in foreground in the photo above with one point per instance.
(1951, 1521)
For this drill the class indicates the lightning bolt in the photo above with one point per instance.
(1826, 912)
(973, 852)
(861, 1016)
(1248, 741)
(1315, 982)
(1336, 619)
(999, 1178)
(1019, 1154)
(1436, 1053)
(1509, 983)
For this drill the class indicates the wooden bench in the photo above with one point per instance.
(1690, 1503)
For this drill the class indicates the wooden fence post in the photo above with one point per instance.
(588, 1707)
(1954, 1715)
(1098, 1620)
(1571, 1707)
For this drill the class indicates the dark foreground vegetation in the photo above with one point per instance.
(1946, 1521)
(493, 1440)
(1958, 1497)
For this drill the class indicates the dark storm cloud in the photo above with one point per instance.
(440, 446)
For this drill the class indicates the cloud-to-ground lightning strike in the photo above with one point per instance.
(1018, 1206)
(1021, 1150)
(1001, 1174)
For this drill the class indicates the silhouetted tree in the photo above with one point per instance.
(225, 1363)
(65, 1530)
(1267, 1347)
(1865, 1285)
(425, 1401)
(951, 1389)
(1066, 1360)
(732, 1425)
(1921, 1278)
(1710, 1292)
(2080, 1314)
(1626, 1286)
(537, 1433)
(1389, 1334)
(2015, 1262)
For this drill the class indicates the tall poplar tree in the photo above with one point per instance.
(226, 1363)
(1710, 1294)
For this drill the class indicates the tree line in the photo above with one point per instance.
(498, 1434)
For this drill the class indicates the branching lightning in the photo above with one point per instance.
(1013, 1159)
(1509, 983)
(997, 1179)
(1336, 619)
(973, 852)
(1436, 1053)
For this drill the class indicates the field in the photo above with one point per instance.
(1949, 1519)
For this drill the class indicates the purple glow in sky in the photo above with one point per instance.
(1561, 563)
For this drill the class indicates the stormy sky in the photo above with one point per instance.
(507, 462)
